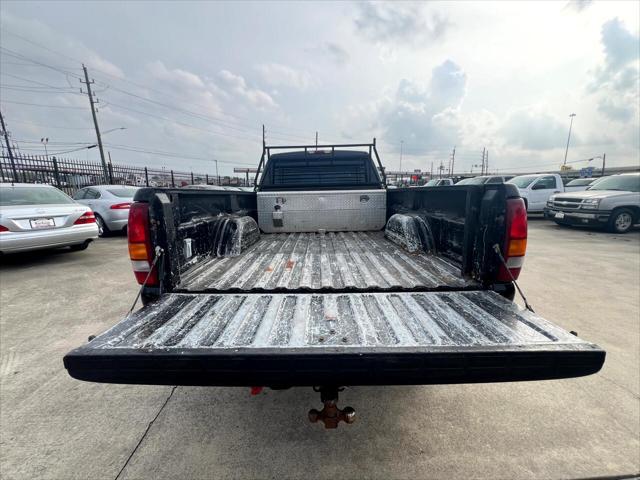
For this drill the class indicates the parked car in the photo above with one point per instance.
(580, 184)
(536, 189)
(36, 216)
(483, 179)
(110, 203)
(612, 202)
(298, 285)
(439, 182)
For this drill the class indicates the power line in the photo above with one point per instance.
(62, 70)
(135, 149)
(144, 87)
(51, 126)
(43, 105)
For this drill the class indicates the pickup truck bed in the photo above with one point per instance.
(348, 261)
(345, 339)
(324, 277)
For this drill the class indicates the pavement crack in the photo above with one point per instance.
(144, 435)
(626, 389)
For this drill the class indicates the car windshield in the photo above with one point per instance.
(473, 181)
(11, 196)
(431, 183)
(522, 182)
(625, 183)
(580, 182)
(126, 192)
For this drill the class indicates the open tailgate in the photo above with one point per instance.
(337, 339)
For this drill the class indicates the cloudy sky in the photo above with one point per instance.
(191, 82)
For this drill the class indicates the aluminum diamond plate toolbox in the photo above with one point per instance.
(350, 339)
(342, 210)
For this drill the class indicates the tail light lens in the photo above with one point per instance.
(140, 251)
(120, 206)
(515, 244)
(3, 229)
(86, 217)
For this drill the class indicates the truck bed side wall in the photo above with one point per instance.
(466, 221)
(177, 214)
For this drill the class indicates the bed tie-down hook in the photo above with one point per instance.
(496, 248)
(157, 254)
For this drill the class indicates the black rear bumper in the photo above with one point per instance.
(302, 367)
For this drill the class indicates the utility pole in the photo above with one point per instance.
(92, 102)
(401, 145)
(6, 139)
(453, 160)
(568, 138)
(316, 140)
(431, 174)
(217, 174)
(604, 156)
(486, 163)
(482, 164)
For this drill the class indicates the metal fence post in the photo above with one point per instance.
(56, 172)
(146, 176)
(111, 173)
(206, 179)
(173, 183)
(192, 182)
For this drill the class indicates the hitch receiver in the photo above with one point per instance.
(330, 414)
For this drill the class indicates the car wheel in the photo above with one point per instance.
(77, 248)
(621, 221)
(103, 230)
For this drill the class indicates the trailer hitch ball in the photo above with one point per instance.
(330, 414)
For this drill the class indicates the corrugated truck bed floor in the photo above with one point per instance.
(343, 339)
(314, 261)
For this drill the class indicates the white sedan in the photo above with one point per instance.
(35, 217)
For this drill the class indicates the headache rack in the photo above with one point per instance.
(324, 166)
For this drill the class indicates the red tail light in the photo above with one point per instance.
(120, 206)
(140, 251)
(86, 217)
(515, 244)
(3, 229)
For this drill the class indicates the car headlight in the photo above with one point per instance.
(590, 203)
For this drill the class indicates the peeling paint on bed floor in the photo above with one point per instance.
(477, 318)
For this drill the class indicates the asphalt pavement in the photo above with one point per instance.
(52, 426)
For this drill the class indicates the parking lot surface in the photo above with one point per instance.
(53, 426)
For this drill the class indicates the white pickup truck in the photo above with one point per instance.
(536, 189)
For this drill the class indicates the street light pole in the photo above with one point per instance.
(44, 141)
(568, 138)
(217, 174)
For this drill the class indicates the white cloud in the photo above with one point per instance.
(579, 5)
(532, 129)
(278, 75)
(615, 82)
(237, 84)
(425, 114)
(399, 23)
(63, 47)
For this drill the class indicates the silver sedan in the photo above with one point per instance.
(110, 203)
(34, 217)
